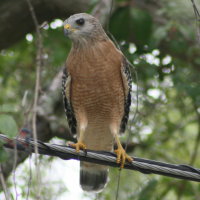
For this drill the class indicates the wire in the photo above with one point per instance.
(142, 165)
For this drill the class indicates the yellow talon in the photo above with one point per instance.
(122, 157)
(78, 146)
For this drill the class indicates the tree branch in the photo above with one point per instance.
(38, 72)
(39, 61)
(102, 11)
(16, 20)
(3, 183)
(44, 123)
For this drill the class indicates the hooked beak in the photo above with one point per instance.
(68, 29)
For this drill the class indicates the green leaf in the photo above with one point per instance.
(132, 24)
(3, 154)
(8, 125)
(7, 108)
(120, 24)
(142, 26)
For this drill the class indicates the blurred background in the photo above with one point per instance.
(160, 39)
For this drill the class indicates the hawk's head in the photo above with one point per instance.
(83, 27)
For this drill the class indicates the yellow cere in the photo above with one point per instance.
(69, 27)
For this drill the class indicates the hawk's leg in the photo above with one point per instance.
(79, 145)
(121, 154)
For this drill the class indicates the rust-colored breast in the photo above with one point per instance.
(97, 88)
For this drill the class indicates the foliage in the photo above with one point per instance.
(162, 46)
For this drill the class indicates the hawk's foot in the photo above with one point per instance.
(122, 157)
(78, 146)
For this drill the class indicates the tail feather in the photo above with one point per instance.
(93, 177)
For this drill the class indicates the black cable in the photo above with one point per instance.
(142, 165)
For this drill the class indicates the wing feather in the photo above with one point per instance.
(127, 82)
(66, 86)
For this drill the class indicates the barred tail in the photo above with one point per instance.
(93, 177)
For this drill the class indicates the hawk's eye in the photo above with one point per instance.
(80, 21)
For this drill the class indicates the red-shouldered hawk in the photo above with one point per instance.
(96, 91)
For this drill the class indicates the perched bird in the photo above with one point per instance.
(24, 133)
(96, 88)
